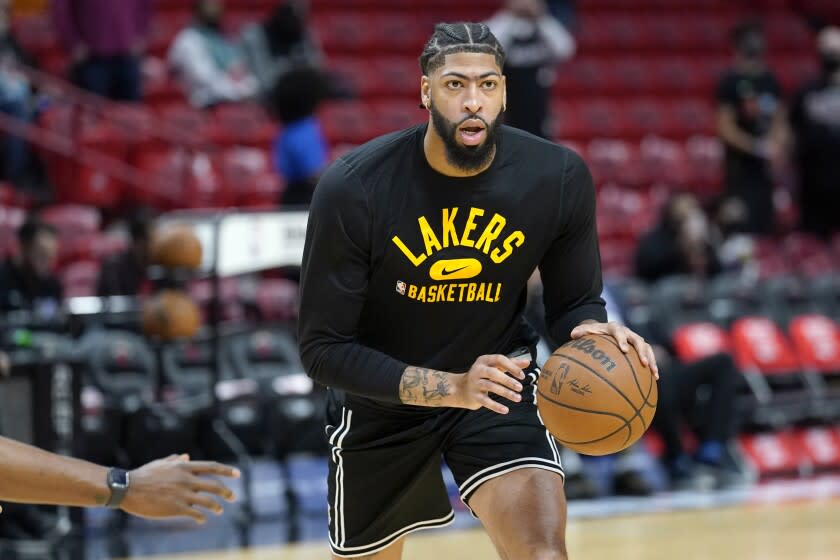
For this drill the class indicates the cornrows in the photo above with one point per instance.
(449, 38)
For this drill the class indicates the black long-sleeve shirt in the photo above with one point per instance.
(406, 266)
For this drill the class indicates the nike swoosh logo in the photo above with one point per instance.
(447, 271)
(455, 269)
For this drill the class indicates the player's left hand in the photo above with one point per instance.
(623, 336)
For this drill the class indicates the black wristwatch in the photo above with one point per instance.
(118, 484)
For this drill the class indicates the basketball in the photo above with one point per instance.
(176, 246)
(594, 398)
(170, 315)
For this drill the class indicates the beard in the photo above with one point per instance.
(466, 158)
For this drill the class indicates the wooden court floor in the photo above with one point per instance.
(798, 531)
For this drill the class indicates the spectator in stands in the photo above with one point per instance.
(300, 152)
(751, 124)
(815, 120)
(125, 274)
(278, 44)
(209, 66)
(729, 223)
(106, 41)
(16, 96)
(535, 42)
(28, 281)
(680, 243)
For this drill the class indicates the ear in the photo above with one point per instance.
(425, 92)
(504, 94)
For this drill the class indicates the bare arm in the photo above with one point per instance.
(31, 475)
(169, 487)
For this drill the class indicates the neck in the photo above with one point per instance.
(435, 151)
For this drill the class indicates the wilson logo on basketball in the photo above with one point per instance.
(587, 346)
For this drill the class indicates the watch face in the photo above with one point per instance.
(119, 477)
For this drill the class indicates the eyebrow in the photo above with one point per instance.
(465, 77)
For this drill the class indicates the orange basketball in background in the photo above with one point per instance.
(170, 315)
(175, 246)
(594, 398)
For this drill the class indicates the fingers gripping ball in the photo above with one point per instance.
(170, 315)
(175, 246)
(594, 398)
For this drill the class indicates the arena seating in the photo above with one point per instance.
(636, 101)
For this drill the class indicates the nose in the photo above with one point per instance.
(472, 100)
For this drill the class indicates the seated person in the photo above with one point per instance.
(679, 244)
(208, 65)
(125, 274)
(28, 281)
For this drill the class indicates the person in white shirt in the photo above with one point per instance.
(535, 43)
(209, 66)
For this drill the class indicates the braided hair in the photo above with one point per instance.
(449, 38)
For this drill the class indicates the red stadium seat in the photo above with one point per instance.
(581, 77)
(250, 179)
(669, 76)
(361, 76)
(396, 115)
(693, 116)
(629, 76)
(178, 179)
(602, 118)
(816, 339)
(348, 122)
(760, 345)
(243, 124)
(696, 341)
(397, 76)
(344, 32)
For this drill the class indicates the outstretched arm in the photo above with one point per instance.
(169, 487)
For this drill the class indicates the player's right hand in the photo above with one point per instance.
(493, 373)
(176, 486)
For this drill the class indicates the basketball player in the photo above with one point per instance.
(417, 255)
(169, 487)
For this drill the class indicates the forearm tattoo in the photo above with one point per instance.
(424, 387)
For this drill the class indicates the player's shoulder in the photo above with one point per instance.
(535, 152)
(371, 155)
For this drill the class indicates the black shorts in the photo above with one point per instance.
(385, 478)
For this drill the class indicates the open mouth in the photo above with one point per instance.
(472, 132)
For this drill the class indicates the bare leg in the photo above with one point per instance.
(524, 512)
(393, 552)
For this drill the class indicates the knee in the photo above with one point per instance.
(548, 552)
